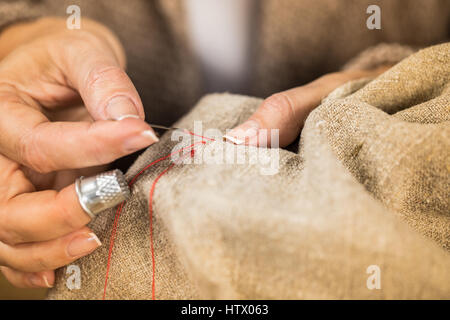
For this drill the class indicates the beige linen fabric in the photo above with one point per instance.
(369, 186)
(294, 41)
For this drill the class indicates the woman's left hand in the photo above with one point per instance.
(288, 110)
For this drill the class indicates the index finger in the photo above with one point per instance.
(30, 139)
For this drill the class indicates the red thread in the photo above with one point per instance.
(150, 209)
(111, 245)
(197, 135)
(150, 205)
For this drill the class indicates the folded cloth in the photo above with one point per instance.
(368, 190)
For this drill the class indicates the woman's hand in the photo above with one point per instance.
(288, 110)
(67, 109)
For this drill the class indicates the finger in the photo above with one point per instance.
(281, 113)
(54, 146)
(40, 216)
(43, 279)
(285, 112)
(94, 70)
(28, 138)
(49, 255)
(28, 216)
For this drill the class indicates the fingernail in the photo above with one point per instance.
(233, 139)
(121, 107)
(38, 281)
(127, 116)
(83, 244)
(47, 284)
(150, 134)
(245, 131)
(143, 140)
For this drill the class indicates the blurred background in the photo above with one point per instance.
(256, 47)
(8, 292)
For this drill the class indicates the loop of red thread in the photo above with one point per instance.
(150, 205)
(197, 135)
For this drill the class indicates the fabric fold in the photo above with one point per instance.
(368, 190)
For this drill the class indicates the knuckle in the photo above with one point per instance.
(7, 259)
(101, 74)
(100, 156)
(279, 103)
(8, 236)
(30, 153)
(38, 261)
(12, 173)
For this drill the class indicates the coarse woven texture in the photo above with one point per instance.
(293, 43)
(369, 186)
(382, 54)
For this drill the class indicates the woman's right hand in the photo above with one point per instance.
(67, 109)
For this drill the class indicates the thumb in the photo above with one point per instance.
(92, 67)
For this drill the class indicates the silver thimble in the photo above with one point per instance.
(102, 191)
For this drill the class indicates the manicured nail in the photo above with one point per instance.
(47, 284)
(38, 281)
(143, 140)
(245, 131)
(233, 139)
(121, 107)
(150, 134)
(83, 244)
(128, 116)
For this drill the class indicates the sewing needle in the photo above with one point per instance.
(224, 138)
(157, 126)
